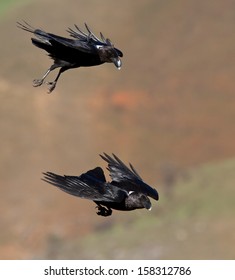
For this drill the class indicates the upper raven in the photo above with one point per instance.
(85, 50)
(126, 191)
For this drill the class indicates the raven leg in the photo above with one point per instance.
(39, 82)
(52, 85)
(103, 211)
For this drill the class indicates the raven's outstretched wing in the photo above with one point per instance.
(51, 39)
(127, 178)
(118, 170)
(87, 43)
(90, 189)
(90, 39)
(86, 37)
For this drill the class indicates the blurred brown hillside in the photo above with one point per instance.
(171, 104)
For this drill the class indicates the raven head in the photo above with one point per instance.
(137, 200)
(108, 53)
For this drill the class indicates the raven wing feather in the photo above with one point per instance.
(127, 178)
(90, 189)
(118, 170)
(81, 44)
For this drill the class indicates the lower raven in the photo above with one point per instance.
(84, 50)
(125, 192)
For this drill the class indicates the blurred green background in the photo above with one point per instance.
(169, 111)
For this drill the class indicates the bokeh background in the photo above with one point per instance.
(170, 111)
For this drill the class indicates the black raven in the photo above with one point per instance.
(84, 50)
(126, 191)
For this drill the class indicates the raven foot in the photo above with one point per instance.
(51, 86)
(37, 82)
(103, 211)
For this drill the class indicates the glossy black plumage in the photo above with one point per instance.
(127, 178)
(83, 51)
(126, 192)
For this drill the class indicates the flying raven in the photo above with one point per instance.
(126, 191)
(84, 50)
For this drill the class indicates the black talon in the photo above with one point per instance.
(103, 211)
